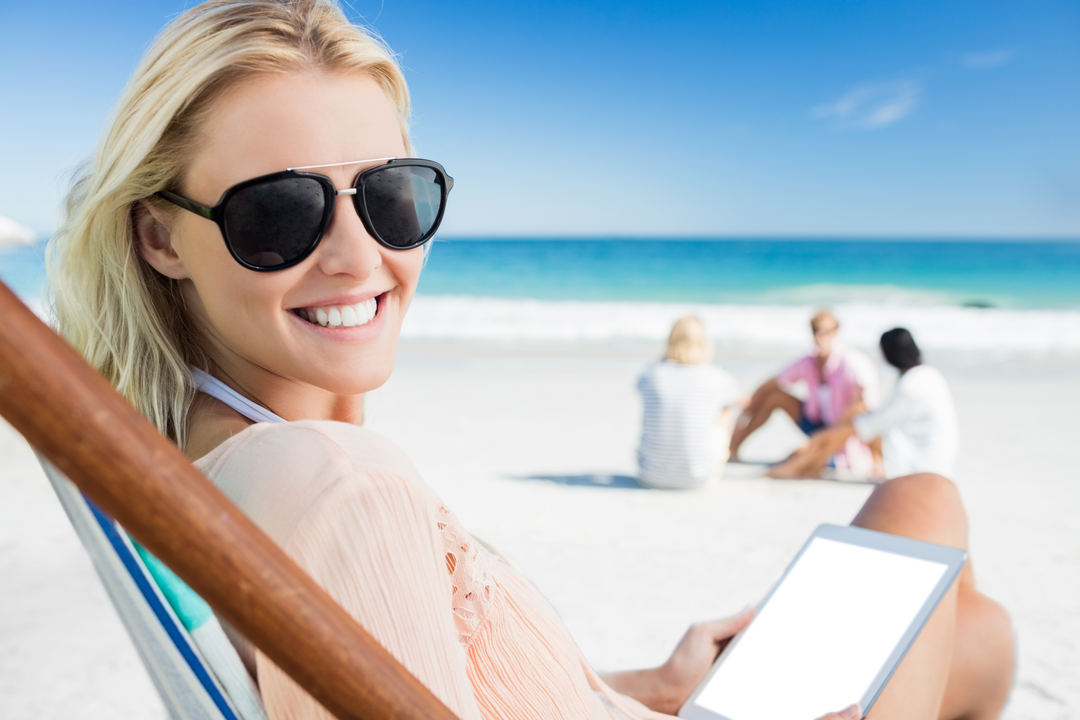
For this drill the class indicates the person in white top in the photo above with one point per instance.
(918, 422)
(687, 412)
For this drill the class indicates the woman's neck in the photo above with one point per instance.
(212, 422)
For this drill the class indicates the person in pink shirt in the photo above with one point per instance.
(838, 379)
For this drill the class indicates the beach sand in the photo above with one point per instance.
(533, 447)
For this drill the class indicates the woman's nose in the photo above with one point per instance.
(348, 248)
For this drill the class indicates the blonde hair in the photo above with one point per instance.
(820, 316)
(687, 343)
(126, 319)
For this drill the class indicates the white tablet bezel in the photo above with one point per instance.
(952, 558)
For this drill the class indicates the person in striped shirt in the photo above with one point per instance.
(687, 412)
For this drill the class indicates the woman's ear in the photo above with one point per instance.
(154, 241)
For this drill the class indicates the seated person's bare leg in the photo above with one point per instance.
(961, 665)
(765, 400)
(809, 460)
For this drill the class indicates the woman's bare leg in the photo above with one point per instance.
(766, 399)
(961, 665)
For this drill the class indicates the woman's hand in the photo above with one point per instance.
(695, 655)
(666, 688)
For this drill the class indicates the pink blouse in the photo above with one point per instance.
(349, 507)
(848, 374)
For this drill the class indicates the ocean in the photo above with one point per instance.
(771, 272)
(985, 296)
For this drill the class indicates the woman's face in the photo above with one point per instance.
(256, 322)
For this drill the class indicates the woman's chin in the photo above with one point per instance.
(350, 384)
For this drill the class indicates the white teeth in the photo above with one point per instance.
(343, 315)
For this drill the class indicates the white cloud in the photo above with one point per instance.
(871, 107)
(984, 60)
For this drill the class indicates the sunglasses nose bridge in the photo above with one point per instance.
(356, 200)
(353, 191)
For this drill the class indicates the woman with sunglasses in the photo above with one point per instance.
(237, 260)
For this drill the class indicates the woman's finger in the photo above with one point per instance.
(851, 712)
(725, 628)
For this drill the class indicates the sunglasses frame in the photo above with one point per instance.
(216, 213)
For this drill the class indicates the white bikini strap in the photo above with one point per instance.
(217, 389)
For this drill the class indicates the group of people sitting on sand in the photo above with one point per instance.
(690, 431)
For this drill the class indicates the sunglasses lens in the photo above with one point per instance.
(274, 223)
(403, 203)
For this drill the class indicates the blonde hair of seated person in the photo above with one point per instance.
(687, 342)
(127, 320)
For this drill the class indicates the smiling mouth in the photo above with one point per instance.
(335, 316)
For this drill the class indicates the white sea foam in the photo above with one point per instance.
(935, 327)
(12, 233)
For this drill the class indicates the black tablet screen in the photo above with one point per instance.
(823, 636)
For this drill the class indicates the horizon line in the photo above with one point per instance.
(839, 237)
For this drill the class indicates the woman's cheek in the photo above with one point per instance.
(413, 264)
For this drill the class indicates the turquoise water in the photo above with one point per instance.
(23, 269)
(999, 274)
(1007, 274)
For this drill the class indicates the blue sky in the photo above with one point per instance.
(884, 118)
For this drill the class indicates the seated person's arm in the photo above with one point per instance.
(872, 425)
(856, 407)
(726, 418)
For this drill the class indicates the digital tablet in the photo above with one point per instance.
(832, 630)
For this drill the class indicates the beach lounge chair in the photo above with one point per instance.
(191, 662)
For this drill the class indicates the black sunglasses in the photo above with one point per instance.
(275, 221)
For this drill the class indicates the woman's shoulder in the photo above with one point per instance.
(277, 472)
(922, 378)
(329, 444)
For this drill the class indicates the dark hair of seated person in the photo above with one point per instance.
(900, 350)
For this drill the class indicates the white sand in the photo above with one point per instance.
(627, 568)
